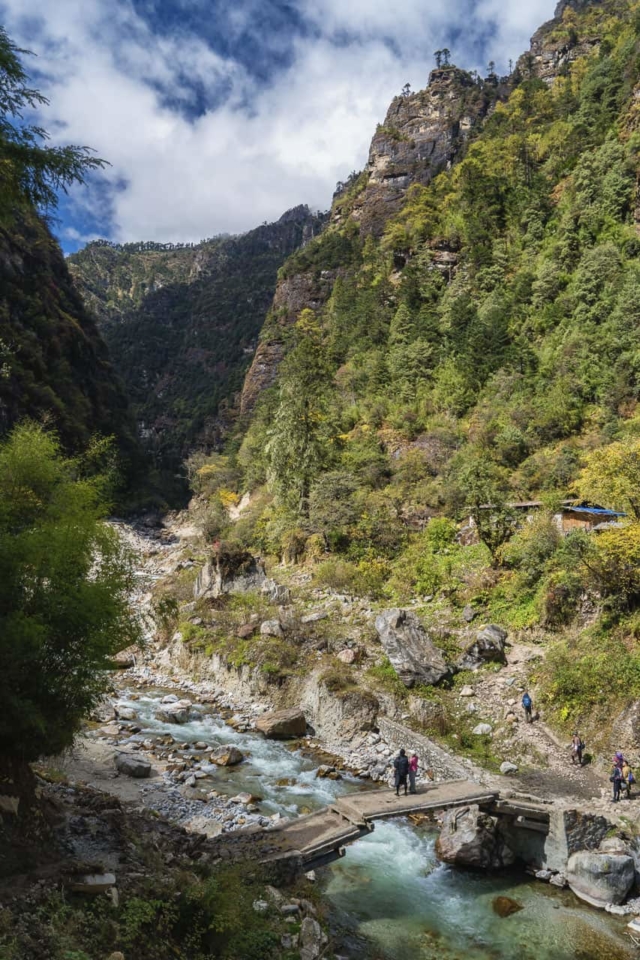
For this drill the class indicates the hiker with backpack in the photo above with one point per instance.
(527, 705)
(616, 776)
(577, 748)
(401, 771)
(627, 777)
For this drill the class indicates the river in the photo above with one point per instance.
(389, 888)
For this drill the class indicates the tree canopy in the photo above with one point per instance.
(65, 580)
(30, 171)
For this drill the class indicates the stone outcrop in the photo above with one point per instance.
(412, 653)
(488, 647)
(229, 571)
(293, 295)
(550, 55)
(283, 724)
(423, 133)
(601, 878)
(469, 838)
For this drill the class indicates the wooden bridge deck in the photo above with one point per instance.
(321, 836)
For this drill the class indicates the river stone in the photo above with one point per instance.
(411, 651)
(600, 878)
(170, 698)
(488, 647)
(178, 712)
(505, 906)
(283, 724)
(228, 756)
(123, 712)
(271, 628)
(469, 838)
(132, 766)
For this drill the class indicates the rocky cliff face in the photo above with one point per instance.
(422, 134)
(54, 365)
(182, 323)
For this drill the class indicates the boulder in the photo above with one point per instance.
(467, 691)
(411, 651)
(507, 767)
(93, 883)
(312, 939)
(228, 756)
(468, 614)
(178, 712)
(123, 712)
(488, 647)
(246, 630)
(600, 878)
(314, 617)
(204, 825)
(271, 628)
(482, 730)
(347, 656)
(132, 766)
(277, 592)
(469, 838)
(245, 799)
(283, 724)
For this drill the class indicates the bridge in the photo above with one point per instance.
(320, 837)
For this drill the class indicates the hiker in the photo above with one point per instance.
(627, 777)
(401, 767)
(616, 776)
(577, 746)
(526, 703)
(413, 772)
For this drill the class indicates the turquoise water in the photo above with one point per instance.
(390, 888)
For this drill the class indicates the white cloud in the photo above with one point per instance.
(115, 84)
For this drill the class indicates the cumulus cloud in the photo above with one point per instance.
(216, 116)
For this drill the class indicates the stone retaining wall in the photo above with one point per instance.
(432, 757)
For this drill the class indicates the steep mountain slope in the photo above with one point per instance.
(181, 322)
(54, 363)
(466, 336)
(422, 134)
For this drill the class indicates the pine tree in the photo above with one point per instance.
(297, 447)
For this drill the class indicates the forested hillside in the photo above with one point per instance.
(479, 346)
(182, 322)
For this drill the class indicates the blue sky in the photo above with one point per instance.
(217, 115)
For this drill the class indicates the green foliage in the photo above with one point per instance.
(65, 580)
(31, 173)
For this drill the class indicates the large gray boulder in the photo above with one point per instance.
(412, 653)
(469, 838)
(488, 647)
(283, 724)
(132, 766)
(601, 878)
